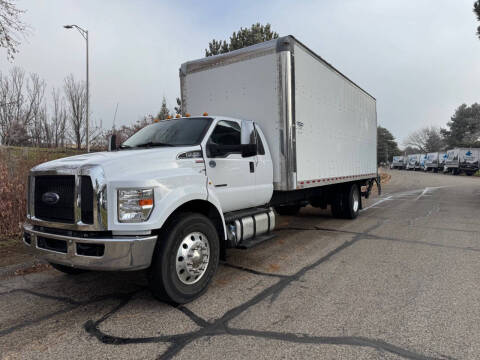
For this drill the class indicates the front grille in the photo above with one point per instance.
(87, 200)
(63, 209)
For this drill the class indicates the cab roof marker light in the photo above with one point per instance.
(178, 116)
(205, 114)
(187, 115)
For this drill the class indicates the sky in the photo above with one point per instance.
(419, 58)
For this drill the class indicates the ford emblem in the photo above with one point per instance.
(50, 198)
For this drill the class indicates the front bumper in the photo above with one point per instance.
(110, 254)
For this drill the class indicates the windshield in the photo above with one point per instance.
(174, 132)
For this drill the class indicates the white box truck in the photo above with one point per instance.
(432, 162)
(468, 160)
(451, 162)
(289, 130)
(399, 162)
(413, 162)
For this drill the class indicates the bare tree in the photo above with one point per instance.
(75, 93)
(58, 124)
(21, 101)
(36, 111)
(427, 139)
(11, 27)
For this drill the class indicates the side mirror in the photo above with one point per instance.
(249, 150)
(112, 142)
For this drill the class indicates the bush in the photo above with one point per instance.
(15, 163)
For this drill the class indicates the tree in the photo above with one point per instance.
(75, 93)
(164, 112)
(427, 139)
(463, 127)
(58, 125)
(387, 147)
(21, 105)
(244, 37)
(11, 26)
(178, 108)
(476, 10)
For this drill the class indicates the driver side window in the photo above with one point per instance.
(226, 134)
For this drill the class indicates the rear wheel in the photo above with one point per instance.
(67, 269)
(346, 203)
(352, 202)
(185, 259)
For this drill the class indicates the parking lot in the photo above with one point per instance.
(400, 281)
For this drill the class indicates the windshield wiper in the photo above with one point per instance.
(152, 144)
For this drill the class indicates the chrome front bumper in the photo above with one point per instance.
(119, 252)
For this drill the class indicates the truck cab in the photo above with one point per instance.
(103, 211)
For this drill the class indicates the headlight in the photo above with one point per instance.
(134, 205)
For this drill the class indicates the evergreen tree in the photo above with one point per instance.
(244, 37)
(463, 127)
(387, 147)
(164, 112)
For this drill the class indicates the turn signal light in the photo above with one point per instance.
(145, 202)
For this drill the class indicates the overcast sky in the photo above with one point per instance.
(419, 58)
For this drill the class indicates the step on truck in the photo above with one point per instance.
(286, 130)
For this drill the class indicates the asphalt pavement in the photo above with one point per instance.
(399, 282)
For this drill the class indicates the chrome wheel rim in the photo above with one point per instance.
(356, 200)
(193, 256)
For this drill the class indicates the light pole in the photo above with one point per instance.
(84, 33)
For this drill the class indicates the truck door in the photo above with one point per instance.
(232, 176)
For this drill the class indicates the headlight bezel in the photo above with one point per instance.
(139, 202)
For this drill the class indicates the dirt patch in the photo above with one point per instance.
(13, 251)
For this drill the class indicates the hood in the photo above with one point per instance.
(131, 161)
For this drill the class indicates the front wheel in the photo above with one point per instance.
(185, 259)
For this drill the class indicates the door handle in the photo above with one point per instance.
(252, 166)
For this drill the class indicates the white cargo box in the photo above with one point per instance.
(432, 159)
(399, 161)
(321, 128)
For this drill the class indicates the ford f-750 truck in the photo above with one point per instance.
(289, 130)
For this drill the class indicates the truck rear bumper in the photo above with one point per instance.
(109, 254)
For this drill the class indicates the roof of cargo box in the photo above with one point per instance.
(284, 43)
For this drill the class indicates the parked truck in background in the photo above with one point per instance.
(451, 162)
(399, 162)
(413, 162)
(423, 159)
(468, 160)
(289, 130)
(442, 157)
(432, 162)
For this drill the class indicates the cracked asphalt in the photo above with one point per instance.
(399, 282)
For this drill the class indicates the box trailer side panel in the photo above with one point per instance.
(335, 123)
(244, 86)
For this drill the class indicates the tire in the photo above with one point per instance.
(290, 210)
(171, 277)
(470, 173)
(352, 202)
(337, 205)
(67, 269)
